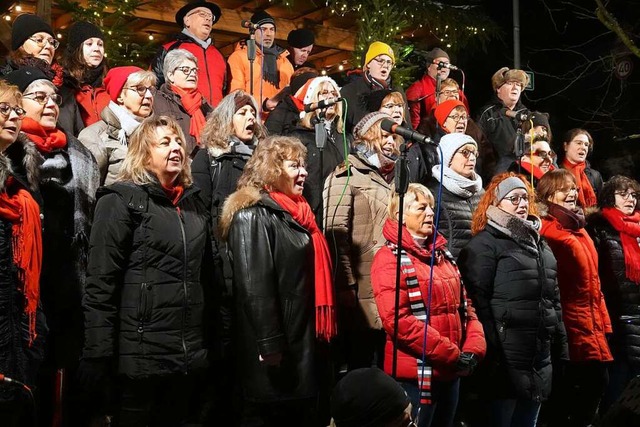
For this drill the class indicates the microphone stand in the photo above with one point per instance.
(251, 55)
(401, 184)
(321, 141)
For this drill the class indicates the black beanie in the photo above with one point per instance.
(23, 77)
(540, 119)
(298, 81)
(25, 26)
(375, 98)
(262, 17)
(301, 38)
(367, 397)
(81, 31)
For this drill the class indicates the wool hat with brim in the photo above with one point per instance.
(452, 142)
(367, 397)
(367, 121)
(116, 78)
(24, 76)
(25, 26)
(81, 31)
(261, 17)
(445, 108)
(184, 11)
(301, 38)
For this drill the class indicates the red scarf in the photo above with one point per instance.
(629, 228)
(301, 212)
(45, 140)
(586, 195)
(26, 240)
(192, 102)
(174, 193)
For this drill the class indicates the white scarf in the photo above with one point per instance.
(204, 43)
(456, 183)
(128, 122)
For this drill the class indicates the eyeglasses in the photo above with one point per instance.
(5, 110)
(544, 154)
(42, 97)
(458, 117)
(327, 93)
(202, 14)
(42, 41)
(187, 70)
(467, 153)
(390, 106)
(514, 83)
(142, 90)
(579, 143)
(515, 200)
(384, 62)
(449, 92)
(626, 196)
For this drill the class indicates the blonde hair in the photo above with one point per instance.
(413, 191)
(308, 117)
(266, 164)
(372, 138)
(134, 166)
(8, 90)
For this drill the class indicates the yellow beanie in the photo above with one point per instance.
(378, 48)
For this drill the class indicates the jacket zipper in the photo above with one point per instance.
(542, 278)
(206, 64)
(184, 288)
(142, 310)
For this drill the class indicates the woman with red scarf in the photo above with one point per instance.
(282, 285)
(616, 232)
(22, 325)
(575, 401)
(149, 284)
(68, 183)
(578, 144)
(180, 98)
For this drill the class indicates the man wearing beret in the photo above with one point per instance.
(300, 46)
(422, 94)
(271, 69)
(197, 19)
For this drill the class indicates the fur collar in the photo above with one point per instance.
(23, 159)
(241, 199)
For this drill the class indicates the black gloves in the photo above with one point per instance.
(466, 364)
(92, 373)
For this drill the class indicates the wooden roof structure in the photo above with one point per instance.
(335, 35)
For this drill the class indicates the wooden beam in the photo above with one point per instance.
(331, 60)
(5, 34)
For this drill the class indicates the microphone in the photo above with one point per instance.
(521, 115)
(408, 134)
(320, 104)
(445, 65)
(626, 138)
(249, 24)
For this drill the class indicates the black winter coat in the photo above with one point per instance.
(272, 257)
(284, 118)
(149, 285)
(19, 359)
(517, 300)
(455, 216)
(622, 296)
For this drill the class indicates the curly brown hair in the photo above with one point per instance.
(607, 197)
(490, 198)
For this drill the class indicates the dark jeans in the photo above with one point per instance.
(514, 413)
(161, 401)
(444, 401)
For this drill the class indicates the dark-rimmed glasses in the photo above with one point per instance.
(544, 154)
(467, 153)
(5, 110)
(186, 70)
(384, 62)
(142, 90)
(42, 41)
(626, 196)
(515, 200)
(457, 117)
(42, 97)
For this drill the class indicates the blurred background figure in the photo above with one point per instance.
(300, 43)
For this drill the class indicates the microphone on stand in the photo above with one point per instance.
(408, 134)
(320, 104)
(520, 115)
(442, 64)
(250, 25)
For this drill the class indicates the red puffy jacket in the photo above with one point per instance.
(584, 311)
(421, 96)
(444, 332)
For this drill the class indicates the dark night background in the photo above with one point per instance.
(572, 55)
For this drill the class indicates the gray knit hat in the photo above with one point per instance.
(367, 121)
(508, 185)
(450, 143)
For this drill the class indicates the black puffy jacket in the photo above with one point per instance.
(455, 216)
(621, 294)
(272, 257)
(149, 282)
(516, 298)
(284, 118)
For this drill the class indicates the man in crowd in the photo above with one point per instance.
(422, 94)
(300, 46)
(271, 69)
(197, 20)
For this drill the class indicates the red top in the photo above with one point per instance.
(425, 88)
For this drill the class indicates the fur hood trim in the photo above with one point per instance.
(241, 199)
(21, 155)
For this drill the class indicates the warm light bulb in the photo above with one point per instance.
(151, 36)
(341, 67)
(323, 72)
(7, 18)
(18, 8)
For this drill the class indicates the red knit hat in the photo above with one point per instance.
(443, 110)
(116, 78)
